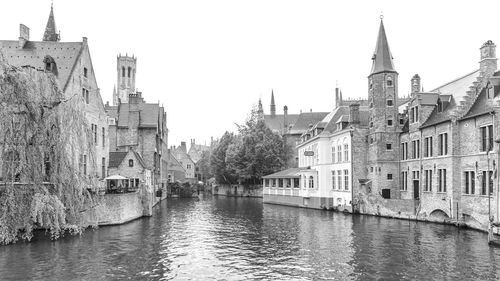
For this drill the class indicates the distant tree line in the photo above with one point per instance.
(246, 156)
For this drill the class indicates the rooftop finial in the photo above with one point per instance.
(381, 15)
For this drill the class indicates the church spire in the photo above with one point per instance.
(273, 105)
(50, 30)
(382, 57)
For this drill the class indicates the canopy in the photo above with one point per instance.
(116, 177)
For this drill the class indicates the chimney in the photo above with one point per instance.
(415, 84)
(24, 35)
(488, 62)
(354, 113)
(285, 118)
(183, 146)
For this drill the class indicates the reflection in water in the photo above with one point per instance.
(240, 239)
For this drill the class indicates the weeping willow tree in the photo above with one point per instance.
(43, 135)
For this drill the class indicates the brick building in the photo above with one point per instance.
(430, 156)
(138, 125)
(181, 155)
(71, 63)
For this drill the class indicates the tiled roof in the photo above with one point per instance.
(116, 158)
(306, 119)
(382, 58)
(288, 173)
(276, 122)
(148, 114)
(483, 105)
(65, 55)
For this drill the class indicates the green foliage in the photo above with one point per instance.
(43, 134)
(204, 165)
(255, 152)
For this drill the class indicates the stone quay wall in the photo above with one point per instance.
(236, 190)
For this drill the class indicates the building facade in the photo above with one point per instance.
(431, 156)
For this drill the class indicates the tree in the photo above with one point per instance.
(218, 160)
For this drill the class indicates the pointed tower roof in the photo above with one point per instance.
(382, 57)
(273, 105)
(50, 30)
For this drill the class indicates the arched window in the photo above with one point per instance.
(123, 71)
(131, 163)
(50, 65)
(389, 81)
(129, 71)
(311, 182)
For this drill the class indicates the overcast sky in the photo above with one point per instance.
(208, 62)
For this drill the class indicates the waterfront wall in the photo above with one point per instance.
(110, 209)
(236, 190)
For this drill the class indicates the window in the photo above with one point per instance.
(346, 152)
(428, 147)
(371, 169)
(416, 113)
(389, 176)
(346, 179)
(442, 180)
(85, 95)
(371, 124)
(415, 149)
(333, 180)
(95, 134)
(428, 180)
(389, 103)
(280, 183)
(404, 180)
(404, 150)
(389, 81)
(371, 140)
(311, 182)
(129, 71)
(486, 138)
(339, 179)
(296, 183)
(339, 153)
(333, 153)
(274, 182)
(485, 183)
(103, 167)
(439, 105)
(401, 121)
(416, 175)
(389, 122)
(131, 163)
(123, 71)
(412, 114)
(83, 164)
(443, 144)
(188, 166)
(388, 146)
(470, 184)
(85, 74)
(103, 136)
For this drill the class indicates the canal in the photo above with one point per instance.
(219, 238)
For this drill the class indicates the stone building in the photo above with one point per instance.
(175, 170)
(71, 63)
(180, 153)
(130, 165)
(196, 152)
(139, 126)
(431, 156)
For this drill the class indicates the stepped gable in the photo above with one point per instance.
(65, 55)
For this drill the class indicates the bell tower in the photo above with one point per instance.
(384, 128)
(125, 84)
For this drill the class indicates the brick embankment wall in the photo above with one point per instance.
(236, 190)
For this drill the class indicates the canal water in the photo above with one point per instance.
(219, 238)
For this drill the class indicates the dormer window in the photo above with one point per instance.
(439, 105)
(50, 65)
(131, 163)
(389, 81)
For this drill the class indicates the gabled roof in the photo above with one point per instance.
(276, 122)
(65, 55)
(382, 57)
(173, 164)
(148, 114)
(116, 158)
(483, 105)
(306, 119)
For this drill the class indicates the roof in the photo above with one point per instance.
(65, 55)
(276, 122)
(148, 114)
(382, 57)
(112, 111)
(116, 158)
(174, 164)
(483, 105)
(306, 119)
(451, 94)
(288, 173)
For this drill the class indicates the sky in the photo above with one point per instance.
(209, 61)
